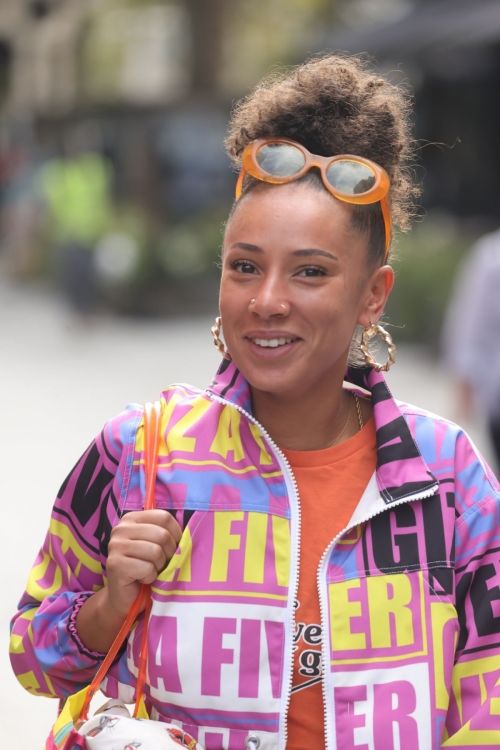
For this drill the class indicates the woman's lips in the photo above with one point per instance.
(272, 343)
(271, 346)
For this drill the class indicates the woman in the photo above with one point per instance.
(363, 615)
(471, 324)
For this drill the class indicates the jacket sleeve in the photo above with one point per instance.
(473, 718)
(47, 656)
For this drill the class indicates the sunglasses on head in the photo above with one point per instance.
(352, 179)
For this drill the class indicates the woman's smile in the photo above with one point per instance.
(271, 343)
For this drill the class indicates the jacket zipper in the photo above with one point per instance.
(291, 483)
(322, 603)
(293, 494)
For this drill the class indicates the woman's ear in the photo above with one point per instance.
(377, 290)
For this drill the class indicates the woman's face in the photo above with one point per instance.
(295, 283)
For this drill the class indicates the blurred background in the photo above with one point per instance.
(114, 187)
(114, 183)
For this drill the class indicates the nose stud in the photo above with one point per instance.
(282, 305)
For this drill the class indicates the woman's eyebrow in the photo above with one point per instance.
(246, 246)
(305, 252)
(308, 251)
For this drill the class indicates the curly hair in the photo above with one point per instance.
(336, 104)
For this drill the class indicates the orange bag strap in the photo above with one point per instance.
(152, 414)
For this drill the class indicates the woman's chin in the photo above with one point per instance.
(278, 384)
(270, 376)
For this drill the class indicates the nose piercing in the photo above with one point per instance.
(282, 305)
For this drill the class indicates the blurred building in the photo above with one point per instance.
(124, 65)
(450, 51)
(137, 83)
(114, 72)
(149, 84)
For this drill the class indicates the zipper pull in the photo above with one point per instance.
(252, 742)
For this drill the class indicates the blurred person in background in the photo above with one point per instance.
(21, 211)
(76, 188)
(323, 558)
(471, 336)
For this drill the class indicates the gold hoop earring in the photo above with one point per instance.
(370, 333)
(218, 342)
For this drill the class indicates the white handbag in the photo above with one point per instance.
(112, 728)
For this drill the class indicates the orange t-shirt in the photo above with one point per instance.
(331, 482)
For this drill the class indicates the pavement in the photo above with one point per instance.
(54, 367)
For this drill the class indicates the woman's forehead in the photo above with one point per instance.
(286, 212)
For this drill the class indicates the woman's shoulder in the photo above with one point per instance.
(448, 449)
(427, 416)
(121, 428)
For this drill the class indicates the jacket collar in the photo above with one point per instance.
(401, 470)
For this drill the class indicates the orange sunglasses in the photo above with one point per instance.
(352, 179)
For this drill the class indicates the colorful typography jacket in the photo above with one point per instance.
(409, 592)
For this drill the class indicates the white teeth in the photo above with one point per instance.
(273, 343)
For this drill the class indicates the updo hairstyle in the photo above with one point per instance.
(336, 104)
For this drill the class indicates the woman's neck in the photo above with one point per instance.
(304, 423)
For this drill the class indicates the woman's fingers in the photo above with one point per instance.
(140, 546)
(157, 517)
(144, 550)
(138, 540)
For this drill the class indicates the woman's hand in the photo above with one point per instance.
(140, 547)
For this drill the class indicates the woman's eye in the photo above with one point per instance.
(243, 266)
(311, 271)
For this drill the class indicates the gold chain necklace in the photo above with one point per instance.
(358, 410)
(337, 438)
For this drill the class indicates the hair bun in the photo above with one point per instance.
(335, 104)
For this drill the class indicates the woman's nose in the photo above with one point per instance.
(270, 300)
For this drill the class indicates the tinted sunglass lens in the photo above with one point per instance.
(350, 177)
(280, 159)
